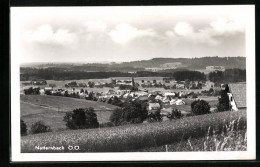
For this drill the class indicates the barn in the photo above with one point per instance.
(237, 95)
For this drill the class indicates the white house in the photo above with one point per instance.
(153, 106)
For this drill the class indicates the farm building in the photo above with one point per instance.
(237, 95)
(153, 106)
(39, 82)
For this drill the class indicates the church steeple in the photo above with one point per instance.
(133, 81)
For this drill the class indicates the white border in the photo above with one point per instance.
(16, 156)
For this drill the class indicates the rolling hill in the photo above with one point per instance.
(51, 109)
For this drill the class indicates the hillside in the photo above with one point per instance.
(64, 103)
(191, 63)
(134, 137)
(51, 109)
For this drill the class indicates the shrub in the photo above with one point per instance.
(81, 119)
(175, 114)
(117, 116)
(39, 127)
(223, 102)
(200, 107)
(155, 116)
(106, 124)
(23, 128)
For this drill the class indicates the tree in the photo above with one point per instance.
(117, 116)
(40, 127)
(223, 102)
(81, 119)
(200, 107)
(23, 128)
(91, 84)
(134, 88)
(131, 112)
(175, 114)
(155, 116)
(116, 101)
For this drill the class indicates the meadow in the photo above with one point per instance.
(51, 109)
(135, 137)
(60, 103)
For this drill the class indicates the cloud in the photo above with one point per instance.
(208, 34)
(45, 34)
(124, 33)
(223, 26)
(183, 29)
(96, 26)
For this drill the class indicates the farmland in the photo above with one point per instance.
(134, 137)
(50, 109)
(64, 103)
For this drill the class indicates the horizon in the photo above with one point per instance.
(107, 62)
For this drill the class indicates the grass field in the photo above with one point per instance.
(50, 109)
(133, 137)
(32, 113)
(64, 103)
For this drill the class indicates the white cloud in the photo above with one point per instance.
(183, 29)
(46, 34)
(124, 33)
(223, 26)
(206, 35)
(96, 26)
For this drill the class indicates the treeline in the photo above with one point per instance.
(229, 75)
(61, 74)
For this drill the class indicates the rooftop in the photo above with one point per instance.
(239, 93)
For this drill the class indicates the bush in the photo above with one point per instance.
(223, 102)
(39, 127)
(106, 124)
(23, 128)
(175, 114)
(132, 112)
(117, 116)
(200, 107)
(81, 119)
(155, 116)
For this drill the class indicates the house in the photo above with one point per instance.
(180, 86)
(169, 94)
(237, 95)
(143, 98)
(177, 102)
(39, 82)
(154, 106)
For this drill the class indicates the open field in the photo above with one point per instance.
(50, 109)
(60, 103)
(31, 113)
(133, 137)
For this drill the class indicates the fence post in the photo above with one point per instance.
(166, 148)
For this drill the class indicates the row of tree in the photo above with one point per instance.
(227, 76)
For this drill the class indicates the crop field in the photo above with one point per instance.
(133, 137)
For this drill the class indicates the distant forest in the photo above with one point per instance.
(191, 63)
(185, 63)
(229, 75)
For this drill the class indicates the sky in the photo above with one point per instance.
(121, 34)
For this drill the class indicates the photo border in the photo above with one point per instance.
(249, 87)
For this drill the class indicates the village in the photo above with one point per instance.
(164, 95)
